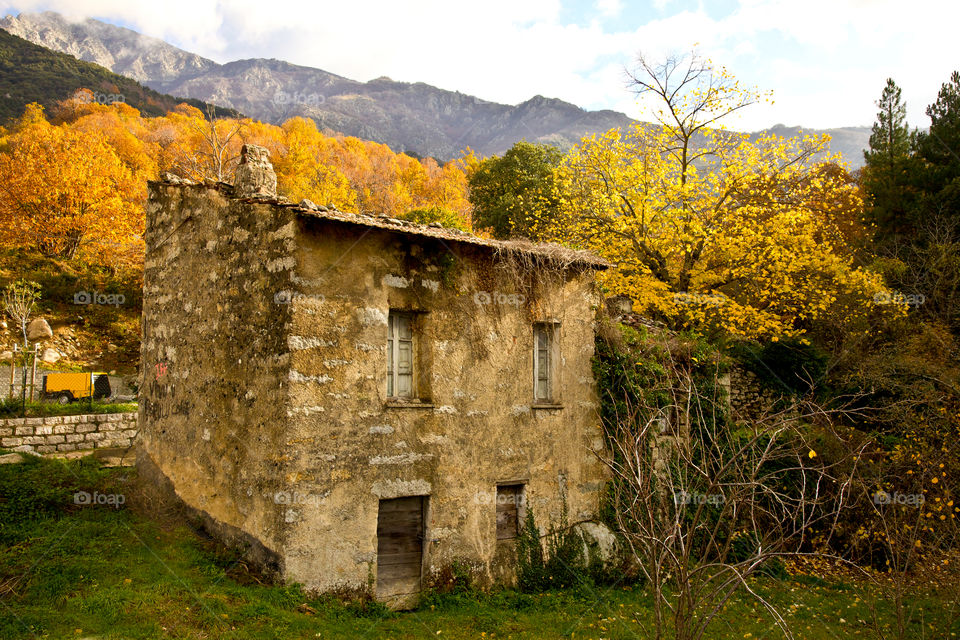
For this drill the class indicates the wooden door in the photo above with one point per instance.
(400, 549)
(509, 503)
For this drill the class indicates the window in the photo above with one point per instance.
(400, 355)
(510, 510)
(543, 363)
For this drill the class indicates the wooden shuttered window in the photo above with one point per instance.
(400, 355)
(543, 337)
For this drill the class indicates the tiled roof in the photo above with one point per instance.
(547, 251)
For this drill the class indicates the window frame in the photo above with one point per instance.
(550, 330)
(393, 351)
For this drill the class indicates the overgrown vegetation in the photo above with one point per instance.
(703, 501)
(561, 559)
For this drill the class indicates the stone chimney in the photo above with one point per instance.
(255, 177)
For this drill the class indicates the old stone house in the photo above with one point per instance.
(361, 401)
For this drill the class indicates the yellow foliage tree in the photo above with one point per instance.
(708, 228)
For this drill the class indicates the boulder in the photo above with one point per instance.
(6, 355)
(50, 356)
(39, 329)
(599, 544)
(255, 177)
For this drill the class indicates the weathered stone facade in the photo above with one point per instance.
(58, 434)
(264, 399)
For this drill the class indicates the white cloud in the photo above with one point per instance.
(609, 8)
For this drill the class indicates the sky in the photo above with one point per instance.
(826, 61)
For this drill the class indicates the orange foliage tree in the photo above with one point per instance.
(76, 183)
(64, 188)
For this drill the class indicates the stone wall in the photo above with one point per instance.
(750, 399)
(214, 360)
(56, 434)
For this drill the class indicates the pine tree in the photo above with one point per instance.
(940, 149)
(890, 139)
(889, 167)
(941, 146)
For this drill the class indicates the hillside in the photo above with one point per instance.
(85, 336)
(32, 73)
(413, 117)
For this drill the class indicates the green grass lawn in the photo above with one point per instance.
(73, 571)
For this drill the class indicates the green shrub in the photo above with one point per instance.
(561, 566)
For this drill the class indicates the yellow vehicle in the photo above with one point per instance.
(67, 387)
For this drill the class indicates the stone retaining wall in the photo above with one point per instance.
(68, 433)
(749, 396)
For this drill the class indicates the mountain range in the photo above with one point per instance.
(32, 73)
(412, 117)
